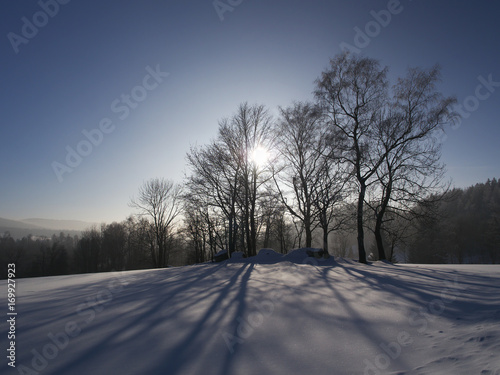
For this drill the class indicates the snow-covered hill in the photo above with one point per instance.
(287, 315)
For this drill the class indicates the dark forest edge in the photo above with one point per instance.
(465, 228)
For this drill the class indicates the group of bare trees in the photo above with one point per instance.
(362, 155)
(308, 177)
(158, 204)
(386, 135)
(227, 186)
(363, 150)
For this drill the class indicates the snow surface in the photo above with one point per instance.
(272, 314)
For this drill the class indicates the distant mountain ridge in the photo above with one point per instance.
(42, 227)
(7, 223)
(58, 224)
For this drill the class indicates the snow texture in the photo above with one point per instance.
(270, 314)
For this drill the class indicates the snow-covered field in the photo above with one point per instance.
(271, 316)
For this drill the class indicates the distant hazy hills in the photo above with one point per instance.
(42, 227)
(58, 224)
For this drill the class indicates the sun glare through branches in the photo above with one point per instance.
(259, 156)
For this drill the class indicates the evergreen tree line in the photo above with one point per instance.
(37, 256)
(109, 247)
(464, 227)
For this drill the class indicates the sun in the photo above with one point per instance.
(259, 156)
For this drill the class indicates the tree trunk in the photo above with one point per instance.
(361, 233)
(325, 239)
(231, 235)
(267, 233)
(253, 225)
(247, 230)
(378, 238)
(380, 218)
(391, 255)
(253, 233)
(324, 226)
(307, 228)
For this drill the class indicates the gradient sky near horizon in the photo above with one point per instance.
(71, 76)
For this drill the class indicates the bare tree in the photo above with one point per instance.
(206, 226)
(411, 169)
(387, 140)
(301, 142)
(246, 135)
(159, 201)
(196, 229)
(329, 195)
(282, 229)
(214, 185)
(353, 93)
(231, 175)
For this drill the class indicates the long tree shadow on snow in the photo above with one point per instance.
(167, 319)
(138, 316)
(228, 304)
(462, 293)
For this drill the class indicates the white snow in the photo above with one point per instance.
(277, 315)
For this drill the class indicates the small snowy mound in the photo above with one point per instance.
(312, 256)
(297, 256)
(267, 256)
(303, 256)
(221, 255)
(237, 255)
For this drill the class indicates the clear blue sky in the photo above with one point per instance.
(68, 75)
